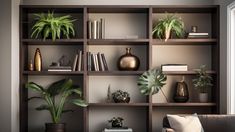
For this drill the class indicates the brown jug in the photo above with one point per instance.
(181, 94)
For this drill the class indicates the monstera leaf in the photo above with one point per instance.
(150, 82)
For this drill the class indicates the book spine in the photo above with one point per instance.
(89, 30)
(96, 63)
(89, 61)
(94, 29)
(105, 63)
(59, 70)
(75, 62)
(92, 62)
(79, 61)
(174, 68)
(102, 23)
(101, 62)
(98, 30)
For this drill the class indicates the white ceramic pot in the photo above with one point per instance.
(203, 97)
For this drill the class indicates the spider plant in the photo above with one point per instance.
(48, 26)
(151, 82)
(56, 96)
(170, 24)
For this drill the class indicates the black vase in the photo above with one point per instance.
(116, 124)
(181, 94)
(55, 127)
(121, 100)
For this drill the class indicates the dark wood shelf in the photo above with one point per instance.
(185, 72)
(118, 104)
(185, 42)
(184, 104)
(52, 73)
(115, 73)
(117, 41)
(50, 42)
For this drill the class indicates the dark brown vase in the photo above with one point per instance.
(55, 127)
(38, 60)
(181, 94)
(128, 62)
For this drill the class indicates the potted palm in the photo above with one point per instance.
(203, 82)
(170, 24)
(151, 82)
(55, 97)
(49, 26)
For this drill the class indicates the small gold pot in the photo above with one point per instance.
(128, 62)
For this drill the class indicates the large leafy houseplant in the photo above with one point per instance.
(170, 24)
(151, 82)
(48, 25)
(56, 96)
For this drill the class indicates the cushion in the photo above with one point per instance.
(185, 123)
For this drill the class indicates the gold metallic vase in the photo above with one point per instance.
(37, 60)
(181, 94)
(128, 62)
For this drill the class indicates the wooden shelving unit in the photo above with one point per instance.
(140, 23)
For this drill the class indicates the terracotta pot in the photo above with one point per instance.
(203, 97)
(55, 127)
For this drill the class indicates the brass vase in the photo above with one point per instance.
(181, 94)
(37, 60)
(128, 62)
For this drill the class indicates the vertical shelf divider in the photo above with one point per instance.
(85, 75)
(150, 112)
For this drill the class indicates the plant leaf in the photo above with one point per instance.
(79, 102)
(43, 107)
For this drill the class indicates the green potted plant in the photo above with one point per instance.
(170, 24)
(203, 82)
(49, 26)
(151, 82)
(116, 122)
(55, 97)
(121, 96)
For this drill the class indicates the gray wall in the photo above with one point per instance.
(223, 52)
(5, 66)
(9, 52)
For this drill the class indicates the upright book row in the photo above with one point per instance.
(96, 29)
(96, 62)
(78, 62)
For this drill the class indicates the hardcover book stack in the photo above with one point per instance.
(78, 62)
(198, 35)
(96, 62)
(174, 67)
(96, 29)
(60, 68)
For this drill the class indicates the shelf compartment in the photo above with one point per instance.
(118, 104)
(115, 73)
(50, 42)
(184, 104)
(118, 41)
(52, 73)
(185, 72)
(185, 42)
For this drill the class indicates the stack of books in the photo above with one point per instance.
(198, 35)
(117, 130)
(96, 62)
(174, 67)
(60, 68)
(96, 29)
(78, 62)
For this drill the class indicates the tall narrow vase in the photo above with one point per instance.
(37, 60)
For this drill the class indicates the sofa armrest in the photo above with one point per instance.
(167, 130)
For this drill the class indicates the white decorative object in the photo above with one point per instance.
(203, 97)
